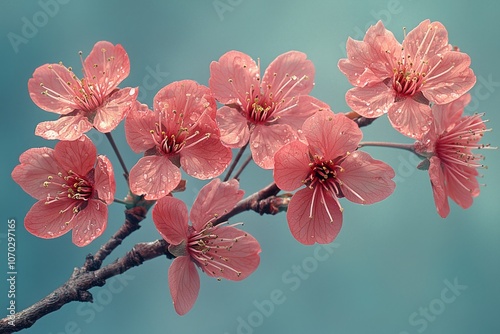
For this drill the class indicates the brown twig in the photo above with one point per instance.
(132, 219)
(91, 274)
(360, 120)
(258, 202)
(77, 286)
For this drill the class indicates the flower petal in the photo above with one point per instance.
(184, 284)
(115, 108)
(106, 66)
(78, 156)
(371, 60)
(49, 220)
(213, 200)
(188, 97)
(290, 74)
(462, 189)
(206, 159)
(305, 107)
(233, 126)
(65, 128)
(291, 166)
(170, 216)
(313, 225)
(36, 165)
(447, 115)
(52, 88)
(331, 135)
(90, 222)
(242, 256)
(438, 187)
(154, 176)
(426, 39)
(371, 101)
(451, 78)
(411, 118)
(365, 180)
(138, 124)
(266, 140)
(104, 179)
(232, 77)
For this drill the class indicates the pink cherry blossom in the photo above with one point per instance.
(265, 113)
(181, 131)
(330, 167)
(220, 251)
(73, 187)
(448, 147)
(401, 79)
(93, 101)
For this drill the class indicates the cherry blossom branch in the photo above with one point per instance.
(116, 200)
(245, 163)
(81, 280)
(235, 162)
(91, 274)
(118, 155)
(360, 120)
(263, 201)
(132, 219)
(408, 147)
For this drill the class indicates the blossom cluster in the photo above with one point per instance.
(421, 85)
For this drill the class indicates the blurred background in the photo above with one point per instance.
(395, 268)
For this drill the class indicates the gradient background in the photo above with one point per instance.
(391, 258)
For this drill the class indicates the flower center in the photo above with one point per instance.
(169, 143)
(206, 247)
(83, 96)
(261, 112)
(78, 190)
(407, 81)
(171, 139)
(454, 148)
(324, 173)
(72, 186)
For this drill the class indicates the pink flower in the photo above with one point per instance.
(181, 131)
(267, 113)
(93, 101)
(73, 187)
(219, 251)
(330, 167)
(401, 80)
(448, 147)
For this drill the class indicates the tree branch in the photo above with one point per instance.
(132, 219)
(260, 202)
(360, 120)
(76, 288)
(91, 274)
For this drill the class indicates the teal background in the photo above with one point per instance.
(391, 259)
